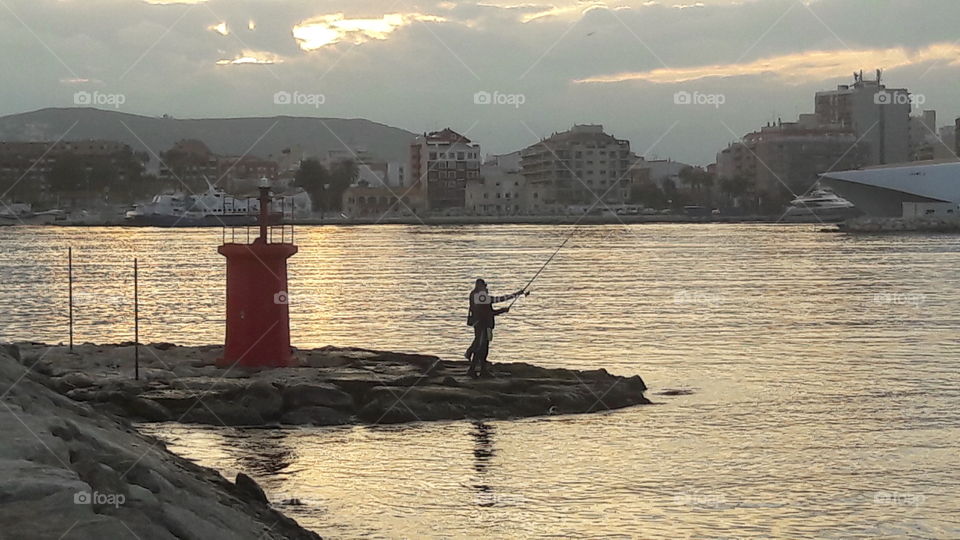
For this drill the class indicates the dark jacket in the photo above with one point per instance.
(482, 312)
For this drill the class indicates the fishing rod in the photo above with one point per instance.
(535, 276)
(576, 226)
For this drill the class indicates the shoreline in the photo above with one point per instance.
(71, 471)
(449, 220)
(73, 451)
(332, 386)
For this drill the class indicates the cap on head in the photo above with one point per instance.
(481, 283)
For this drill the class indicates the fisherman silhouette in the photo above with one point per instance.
(482, 317)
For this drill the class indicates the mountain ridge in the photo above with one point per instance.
(262, 136)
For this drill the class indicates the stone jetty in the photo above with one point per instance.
(73, 472)
(333, 386)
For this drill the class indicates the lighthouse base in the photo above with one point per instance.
(258, 317)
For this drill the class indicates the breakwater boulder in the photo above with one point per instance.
(70, 471)
(332, 386)
(899, 225)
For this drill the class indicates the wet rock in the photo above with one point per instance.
(75, 380)
(334, 386)
(71, 472)
(317, 394)
(11, 350)
(249, 490)
(145, 409)
(316, 416)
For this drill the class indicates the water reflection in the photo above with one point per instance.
(262, 452)
(827, 398)
(483, 452)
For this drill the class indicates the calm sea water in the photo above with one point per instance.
(824, 371)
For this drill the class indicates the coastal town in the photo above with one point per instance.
(580, 170)
(295, 270)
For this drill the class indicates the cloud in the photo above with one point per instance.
(795, 68)
(219, 28)
(251, 57)
(335, 28)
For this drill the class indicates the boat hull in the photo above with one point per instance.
(160, 220)
(820, 215)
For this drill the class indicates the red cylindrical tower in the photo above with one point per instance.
(258, 318)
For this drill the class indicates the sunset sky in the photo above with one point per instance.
(417, 65)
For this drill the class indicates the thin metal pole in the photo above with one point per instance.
(136, 320)
(70, 293)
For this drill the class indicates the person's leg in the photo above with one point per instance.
(473, 345)
(481, 352)
(483, 365)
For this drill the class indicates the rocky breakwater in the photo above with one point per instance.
(898, 225)
(70, 471)
(333, 386)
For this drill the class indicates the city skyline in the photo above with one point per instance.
(537, 69)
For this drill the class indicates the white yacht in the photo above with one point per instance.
(820, 205)
(214, 208)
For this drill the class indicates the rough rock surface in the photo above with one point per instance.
(944, 224)
(332, 386)
(72, 472)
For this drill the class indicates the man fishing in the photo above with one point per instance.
(482, 317)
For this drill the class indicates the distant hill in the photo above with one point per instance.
(226, 136)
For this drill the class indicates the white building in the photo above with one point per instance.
(890, 191)
(441, 163)
(371, 170)
(500, 190)
(577, 166)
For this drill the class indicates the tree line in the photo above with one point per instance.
(326, 185)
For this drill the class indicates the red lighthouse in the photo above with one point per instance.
(258, 318)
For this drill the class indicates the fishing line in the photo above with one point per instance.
(535, 276)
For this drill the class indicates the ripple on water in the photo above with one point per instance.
(825, 368)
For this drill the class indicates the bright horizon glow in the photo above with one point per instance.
(252, 57)
(800, 67)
